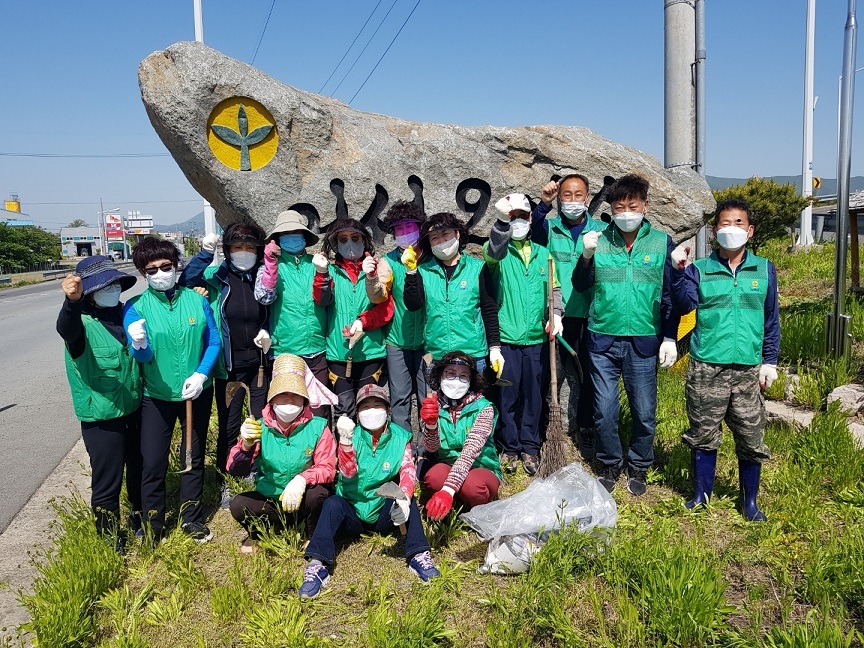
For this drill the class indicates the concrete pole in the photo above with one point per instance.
(199, 21)
(805, 237)
(701, 243)
(210, 226)
(838, 344)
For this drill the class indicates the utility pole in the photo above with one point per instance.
(838, 329)
(210, 225)
(805, 237)
(701, 243)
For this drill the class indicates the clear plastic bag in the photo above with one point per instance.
(567, 497)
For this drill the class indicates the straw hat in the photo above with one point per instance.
(289, 375)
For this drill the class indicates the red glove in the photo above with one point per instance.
(429, 411)
(439, 505)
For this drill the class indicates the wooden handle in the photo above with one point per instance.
(261, 375)
(188, 435)
(348, 364)
(553, 368)
(402, 529)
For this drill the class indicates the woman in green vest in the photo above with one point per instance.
(174, 337)
(355, 326)
(374, 454)
(293, 453)
(106, 388)
(287, 282)
(456, 292)
(458, 422)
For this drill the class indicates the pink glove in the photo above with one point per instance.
(271, 260)
(439, 505)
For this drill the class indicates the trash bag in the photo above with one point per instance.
(510, 554)
(567, 497)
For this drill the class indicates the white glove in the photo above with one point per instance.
(496, 360)
(320, 262)
(250, 431)
(260, 339)
(767, 375)
(589, 243)
(345, 427)
(293, 494)
(193, 386)
(369, 266)
(210, 242)
(400, 511)
(668, 353)
(138, 334)
(356, 327)
(680, 257)
(557, 326)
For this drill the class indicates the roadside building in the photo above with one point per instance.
(80, 241)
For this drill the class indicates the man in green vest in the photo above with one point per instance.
(289, 279)
(374, 454)
(631, 326)
(106, 388)
(733, 352)
(563, 236)
(520, 272)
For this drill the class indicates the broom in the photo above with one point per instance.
(553, 453)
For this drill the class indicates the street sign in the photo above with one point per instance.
(817, 182)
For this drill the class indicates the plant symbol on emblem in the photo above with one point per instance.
(244, 139)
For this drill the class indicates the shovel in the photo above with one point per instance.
(265, 349)
(350, 361)
(188, 467)
(391, 490)
(574, 355)
(232, 388)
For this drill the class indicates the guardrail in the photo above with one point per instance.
(5, 280)
(54, 274)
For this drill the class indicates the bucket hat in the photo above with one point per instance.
(98, 271)
(292, 221)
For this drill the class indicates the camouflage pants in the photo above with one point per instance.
(716, 393)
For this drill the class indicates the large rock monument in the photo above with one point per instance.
(253, 147)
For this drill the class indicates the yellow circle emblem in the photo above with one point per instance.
(754, 284)
(242, 134)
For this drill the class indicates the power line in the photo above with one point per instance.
(364, 47)
(125, 202)
(350, 46)
(89, 156)
(385, 52)
(261, 38)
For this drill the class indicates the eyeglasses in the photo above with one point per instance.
(165, 267)
(450, 375)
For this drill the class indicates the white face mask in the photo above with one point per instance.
(404, 240)
(163, 281)
(244, 261)
(446, 250)
(454, 388)
(732, 238)
(373, 419)
(287, 413)
(519, 229)
(108, 296)
(572, 210)
(628, 221)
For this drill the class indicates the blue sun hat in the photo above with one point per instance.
(98, 271)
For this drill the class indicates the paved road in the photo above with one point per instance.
(37, 423)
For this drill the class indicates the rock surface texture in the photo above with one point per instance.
(338, 160)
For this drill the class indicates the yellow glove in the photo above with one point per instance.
(250, 431)
(409, 258)
(496, 360)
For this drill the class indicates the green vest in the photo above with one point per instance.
(522, 293)
(730, 319)
(105, 380)
(349, 300)
(297, 323)
(406, 328)
(453, 319)
(175, 331)
(283, 458)
(453, 436)
(375, 467)
(566, 253)
(628, 286)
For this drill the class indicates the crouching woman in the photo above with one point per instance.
(294, 455)
(371, 454)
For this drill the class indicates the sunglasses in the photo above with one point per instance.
(165, 267)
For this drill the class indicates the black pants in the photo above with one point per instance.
(580, 409)
(253, 510)
(157, 427)
(231, 416)
(362, 373)
(113, 444)
(320, 369)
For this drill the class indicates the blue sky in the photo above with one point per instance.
(70, 81)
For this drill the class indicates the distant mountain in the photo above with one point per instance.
(828, 188)
(196, 224)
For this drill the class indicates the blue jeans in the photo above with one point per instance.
(406, 376)
(640, 383)
(339, 517)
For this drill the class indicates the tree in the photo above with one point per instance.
(77, 223)
(775, 208)
(190, 246)
(25, 246)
